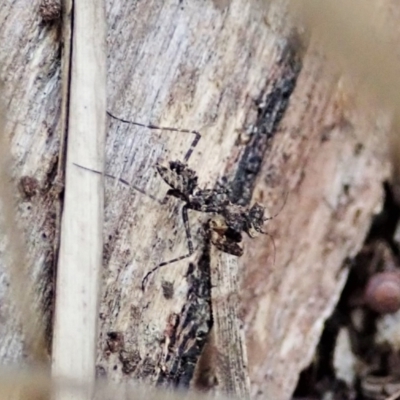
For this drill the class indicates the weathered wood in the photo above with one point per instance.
(81, 245)
(230, 355)
(30, 72)
(291, 152)
(202, 66)
(335, 189)
(138, 228)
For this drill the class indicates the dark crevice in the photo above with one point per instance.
(271, 107)
(190, 332)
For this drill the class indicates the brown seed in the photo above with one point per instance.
(382, 293)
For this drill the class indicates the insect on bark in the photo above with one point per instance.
(228, 221)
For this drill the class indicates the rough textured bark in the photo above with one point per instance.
(31, 94)
(274, 120)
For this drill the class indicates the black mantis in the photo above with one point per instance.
(228, 221)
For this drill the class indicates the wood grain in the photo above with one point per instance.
(229, 342)
(81, 245)
(274, 118)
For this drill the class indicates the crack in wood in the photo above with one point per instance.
(271, 107)
(188, 336)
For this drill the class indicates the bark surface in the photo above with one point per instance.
(274, 119)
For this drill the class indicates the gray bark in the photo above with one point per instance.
(274, 119)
